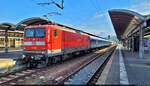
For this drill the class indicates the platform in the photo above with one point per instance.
(11, 55)
(5, 63)
(2, 50)
(135, 70)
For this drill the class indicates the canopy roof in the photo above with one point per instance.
(8, 26)
(125, 21)
(32, 21)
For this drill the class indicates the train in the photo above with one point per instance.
(44, 44)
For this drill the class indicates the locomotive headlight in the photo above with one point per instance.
(32, 57)
(23, 56)
(24, 48)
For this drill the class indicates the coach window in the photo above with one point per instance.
(55, 33)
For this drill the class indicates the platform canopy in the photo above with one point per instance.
(125, 21)
(32, 21)
(8, 26)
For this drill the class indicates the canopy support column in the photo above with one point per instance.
(141, 44)
(132, 38)
(130, 43)
(6, 40)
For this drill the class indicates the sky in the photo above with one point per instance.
(88, 15)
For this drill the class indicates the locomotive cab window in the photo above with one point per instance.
(35, 32)
(40, 32)
(55, 33)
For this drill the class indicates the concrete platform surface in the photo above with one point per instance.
(136, 71)
(110, 75)
(10, 49)
(11, 55)
(5, 63)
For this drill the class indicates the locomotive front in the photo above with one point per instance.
(34, 45)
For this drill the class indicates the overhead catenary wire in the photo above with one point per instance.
(48, 14)
(33, 1)
(99, 6)
(94, 6)
(53, 2)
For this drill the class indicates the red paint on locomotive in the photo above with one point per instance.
(55, 39)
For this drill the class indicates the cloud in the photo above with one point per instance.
(143, 8)
(93, 29)
(94, 25)
(98, 15)
(102, 34)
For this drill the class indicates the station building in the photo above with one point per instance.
(9, 34)
(15, 38)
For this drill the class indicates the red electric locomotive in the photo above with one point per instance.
(44, 43)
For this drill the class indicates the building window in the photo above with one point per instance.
(55, 33)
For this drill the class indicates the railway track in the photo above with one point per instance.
(91, 77)
(56, 73)
(71, 74)
(92, 80)
(15, 75)
(20, 75)
(95, 76)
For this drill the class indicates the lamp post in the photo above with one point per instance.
(6, 40)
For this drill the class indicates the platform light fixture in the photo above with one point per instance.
(136, 18)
